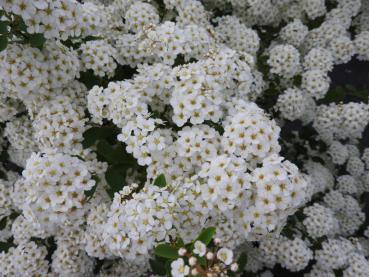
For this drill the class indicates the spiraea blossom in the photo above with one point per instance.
(184, 138)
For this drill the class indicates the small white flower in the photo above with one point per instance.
(199, 248)
(182, 251)
(192, 261)
(225, 255)
(217, 241)
(179, 269)
(234, 267)
(209, 255)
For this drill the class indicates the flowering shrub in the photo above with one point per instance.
(182, 138)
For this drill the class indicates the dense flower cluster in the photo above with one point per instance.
(129, 127)
(220, 260)
(58, 19)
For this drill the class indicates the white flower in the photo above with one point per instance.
(234, 267)
(179, 269)
(182, 251)
(192, 261)
(225, 255)
(199, 248)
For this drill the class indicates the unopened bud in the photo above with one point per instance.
(192, 261)
(234, 267)
(209, 255)
(217, 241)
(182, 251)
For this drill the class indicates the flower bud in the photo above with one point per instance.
(209, 255)
(192, 261)
(217, 241)
(182, 251)
(234, 267)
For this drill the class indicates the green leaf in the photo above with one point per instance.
(335, 95)
(201, 261)
(168, 268)
(115, 177)
(37, 40)
(2, 175)
(3, 222)
(160, 181)
(89, 79)
(21, 25)
(4, 156)
(3, 27)
(157, 267)
(242, 260)
(179, 242)
(206, 235)
(287, 232)
(94, 134)
(166, 251)
(338, 272)
(3, 42)
(4, 246)
(110, 154)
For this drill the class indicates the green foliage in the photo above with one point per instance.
(4, 156)
(4, 246)
(4, 27)
(37, 40)
(335, 95)
(3, 222)
(160, 181)
(111, 151)
(111, 154)
(115, 177)
(119, 162)
(167, 251)
(3, 42)
(94, 134)
(158, 267)
(13, 29)
(206, 235)
(90, 80)
(242, 260)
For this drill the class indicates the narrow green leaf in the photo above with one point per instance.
(160, 181)
(206, 235)
(3, 42)
(166, 251)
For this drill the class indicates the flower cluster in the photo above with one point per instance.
(219, 261)
(57, 19)
(56, 184)
(183, 138)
